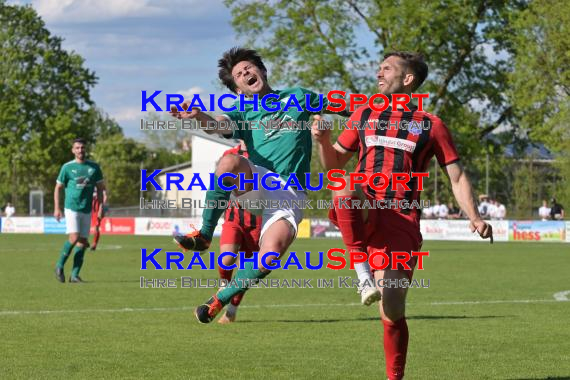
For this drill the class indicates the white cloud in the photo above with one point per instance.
(127, 114)
(72, 11)
(191, 92)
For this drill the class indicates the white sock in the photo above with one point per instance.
(363, 272)
(232, 309)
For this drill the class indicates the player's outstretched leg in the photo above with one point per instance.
(277, 238)
(350, 221)
(96, 237)
(226, 274)
(231, 311)
(200, 240)
(396, 336)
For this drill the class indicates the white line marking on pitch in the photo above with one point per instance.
(562, 296)
(284, 306)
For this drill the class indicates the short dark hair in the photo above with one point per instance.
(80, 140)
(414, 62)
(231, 58)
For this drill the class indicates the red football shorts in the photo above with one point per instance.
(247, 238)
(388, 231)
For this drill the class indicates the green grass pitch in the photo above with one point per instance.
(489, 313)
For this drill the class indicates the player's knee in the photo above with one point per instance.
(228, 164)
(266, 260)
(229, 260)
(278, 240)
(392, 311)
(393, 315)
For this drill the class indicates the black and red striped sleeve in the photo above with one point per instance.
(443, 145)
(349, 139)
(234, 150)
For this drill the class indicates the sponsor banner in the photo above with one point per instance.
(459, 230)
(52, 226)
(116, 226)
(154, 226)
(433, 229)
(324, 228)
(185, 225)
(304, 229)
(536, 230)
(23, 225)
(170, 226)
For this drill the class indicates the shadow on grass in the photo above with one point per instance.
(415, 317)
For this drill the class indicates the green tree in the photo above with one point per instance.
(104, 126)
(338, 44)
(44, 103)
(540, 82)
(169, 146)
(121, 159)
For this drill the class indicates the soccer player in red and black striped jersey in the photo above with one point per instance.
(97, 217)
(389, 149)
(240, 232)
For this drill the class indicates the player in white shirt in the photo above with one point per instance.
(443, 211)
(501, 211)
(492, 209)
(544, 211)
(427, 213)
(11, 210)
(435, 209)
(484, 206)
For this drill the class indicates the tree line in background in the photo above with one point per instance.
(493, 64)
(45, 103)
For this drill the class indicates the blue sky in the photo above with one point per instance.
(134, 45)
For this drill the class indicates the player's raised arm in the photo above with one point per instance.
(463, 193)
(203, 118)
(331, 156)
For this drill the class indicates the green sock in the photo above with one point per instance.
(64, 254)
(77, 260)
(239, 282)
(210, 216)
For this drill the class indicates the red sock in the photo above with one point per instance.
(96, 237)
(395, 347)
(350, 222)
(236, 300)
(225, 274)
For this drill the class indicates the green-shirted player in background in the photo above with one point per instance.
(271, 150)
(79, 178)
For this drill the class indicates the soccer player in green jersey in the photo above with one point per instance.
(79, 178)
(282, 151)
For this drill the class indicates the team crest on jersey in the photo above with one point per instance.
(415, 128)
(274, 126)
